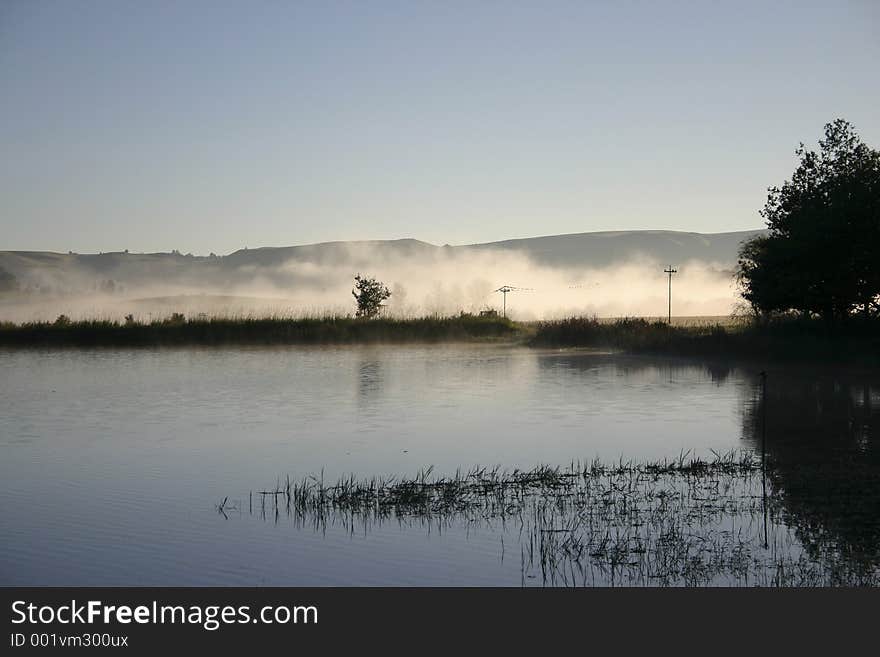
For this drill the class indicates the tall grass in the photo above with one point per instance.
(857, 340)
(179, 330)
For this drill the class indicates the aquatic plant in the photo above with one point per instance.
(687, 521)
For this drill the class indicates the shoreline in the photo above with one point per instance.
(795, 340)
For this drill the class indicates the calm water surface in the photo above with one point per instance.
(113, 461)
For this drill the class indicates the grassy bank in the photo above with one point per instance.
(179, 330)
(857, 341)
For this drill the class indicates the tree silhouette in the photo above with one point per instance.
(822, 255)
(369, 294)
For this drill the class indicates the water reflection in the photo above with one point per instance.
(825, 475)
(370, 381)
(719, 371)
(638, 368)
(823, 503)
(141, 444)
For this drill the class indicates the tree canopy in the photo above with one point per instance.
(822, 253)
(369, 294)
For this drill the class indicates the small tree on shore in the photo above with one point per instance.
(369, 294)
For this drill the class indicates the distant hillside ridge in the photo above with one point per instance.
(306, 266)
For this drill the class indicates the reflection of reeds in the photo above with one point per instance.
(682, 522)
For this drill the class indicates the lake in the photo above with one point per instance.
(114, 462)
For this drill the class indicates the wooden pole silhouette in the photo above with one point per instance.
(504, 289)
(669, 270)
(764, 451)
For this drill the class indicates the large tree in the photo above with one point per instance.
(822, 253)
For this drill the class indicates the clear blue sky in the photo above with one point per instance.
(208, 126)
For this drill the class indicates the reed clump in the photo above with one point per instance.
(685, 521)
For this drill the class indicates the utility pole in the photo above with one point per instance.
(669, 270)
(504, 289)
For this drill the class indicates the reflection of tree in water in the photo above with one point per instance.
(370, 380)
(821, 439)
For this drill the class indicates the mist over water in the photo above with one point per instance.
(437, 282)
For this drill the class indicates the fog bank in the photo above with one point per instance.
(440, 281)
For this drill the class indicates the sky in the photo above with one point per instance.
(212, 126)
